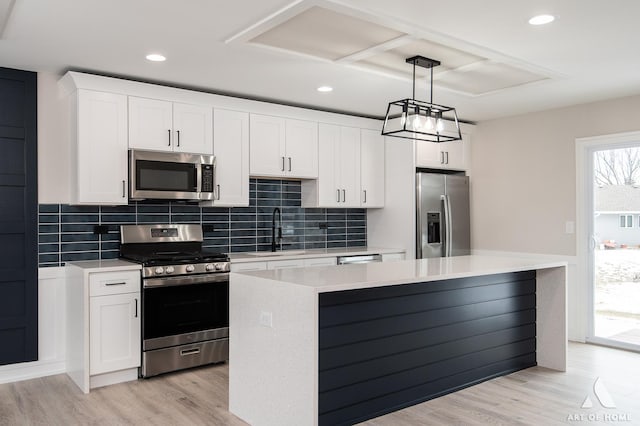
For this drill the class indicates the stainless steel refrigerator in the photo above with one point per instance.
(442, 218)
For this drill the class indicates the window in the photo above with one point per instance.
(626, 221)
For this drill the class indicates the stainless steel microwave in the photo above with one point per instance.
(171, 176)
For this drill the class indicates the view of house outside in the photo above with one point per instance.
(617, 254)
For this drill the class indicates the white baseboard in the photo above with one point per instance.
(31, 370)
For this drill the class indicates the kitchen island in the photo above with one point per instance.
(341, 344)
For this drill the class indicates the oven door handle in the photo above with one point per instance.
(186, 280)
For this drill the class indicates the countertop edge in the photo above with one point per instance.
(108, 265)
(313, 253)
(326, 279)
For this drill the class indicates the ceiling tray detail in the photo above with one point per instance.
(329, 31)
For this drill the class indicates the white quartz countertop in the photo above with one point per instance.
(106, 265)
(349, 277)
(302, 254)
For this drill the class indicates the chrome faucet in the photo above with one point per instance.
(273, 229)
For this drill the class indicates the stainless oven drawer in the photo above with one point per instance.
(179, 357)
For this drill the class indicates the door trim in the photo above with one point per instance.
(585, 147)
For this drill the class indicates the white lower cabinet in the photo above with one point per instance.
(392, 257)
(248, 266)
(114, 332)
(103, 322)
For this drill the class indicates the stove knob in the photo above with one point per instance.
(190, 268)
(169, 269)
(159, 270)
(209, 267)
(219, 266)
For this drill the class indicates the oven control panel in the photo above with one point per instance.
(196, 268)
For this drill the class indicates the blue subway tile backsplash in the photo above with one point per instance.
(66, 232)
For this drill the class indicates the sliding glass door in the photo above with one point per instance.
(614, 264)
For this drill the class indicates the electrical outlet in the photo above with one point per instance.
(569, 227)
(266, 319)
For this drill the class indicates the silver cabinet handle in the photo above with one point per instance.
(447, 152)
(289, 163)
(136, 315)
(178, 132)
(441, 157)
(218, 191)
(124, 189)
(193, 351)
(169, 132)
(338, 192)
(119, 283)
(365, 195)
(282, 164)
(344, 195)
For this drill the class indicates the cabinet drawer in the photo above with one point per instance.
(103, 283)
(320, 261)
(285, 264)
(250, 266)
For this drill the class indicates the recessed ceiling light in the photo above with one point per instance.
(541, 19)
(325, 89)
(156, 57)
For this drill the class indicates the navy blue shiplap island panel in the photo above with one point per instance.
(386, 348)
(18, 217)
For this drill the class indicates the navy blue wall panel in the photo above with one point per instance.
(385, 348)
(18, 217)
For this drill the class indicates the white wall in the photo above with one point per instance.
(53, 142)
(51, 331)
(523, 189)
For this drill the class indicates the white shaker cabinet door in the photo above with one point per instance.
(101, 147)
(301, 149)
(150, 124)
(231, 149)
(372, 168)
(349, 161)
(329, 193)
(192, 129)
(114, 332)
(267, 145)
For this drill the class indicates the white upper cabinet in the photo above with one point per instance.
(170, 126)
(267, 145)
(301, 152)
(338, 183)
(100, 141)
(192, 126)
(282, 147)
(372, 168)
(444, 155)
(231, 149)
(348, 167)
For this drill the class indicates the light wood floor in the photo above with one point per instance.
(535, 396)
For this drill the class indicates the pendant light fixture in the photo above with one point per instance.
(420, 120)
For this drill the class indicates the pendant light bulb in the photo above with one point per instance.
(403, 117)
(417, 120)
(430, 123)
(439, 125)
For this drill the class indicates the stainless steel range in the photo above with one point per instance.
(185, 297)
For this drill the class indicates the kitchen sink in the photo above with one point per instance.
(276, 253)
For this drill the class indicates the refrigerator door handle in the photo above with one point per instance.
(447, 224)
